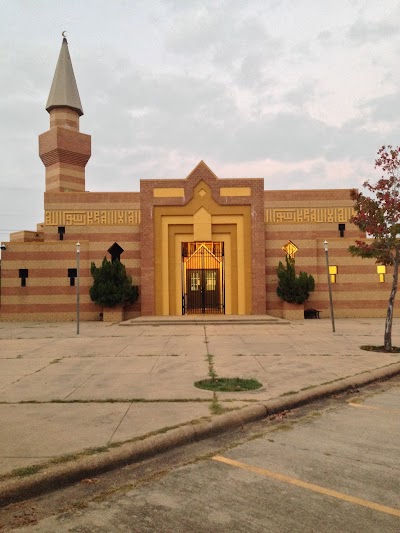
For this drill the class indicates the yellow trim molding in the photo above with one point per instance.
(169, 192)
(235, 191)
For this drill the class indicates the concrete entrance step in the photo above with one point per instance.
(214, 320)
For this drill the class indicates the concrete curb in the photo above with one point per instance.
(56, 476)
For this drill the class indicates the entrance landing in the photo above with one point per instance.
(203, 320)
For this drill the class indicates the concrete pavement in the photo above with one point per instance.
(61, 393)
(315, 472)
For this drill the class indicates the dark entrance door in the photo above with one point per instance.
(203, 295)
(203, 280)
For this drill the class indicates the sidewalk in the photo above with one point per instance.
(61, 393)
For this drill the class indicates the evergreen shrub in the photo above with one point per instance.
(292, 288)
(112, 285)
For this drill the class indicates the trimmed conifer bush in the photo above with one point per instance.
(292, 288)
(112, 285)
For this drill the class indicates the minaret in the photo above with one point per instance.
(63, 150)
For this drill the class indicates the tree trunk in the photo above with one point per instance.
(389, 314)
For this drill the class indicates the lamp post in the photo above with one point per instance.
(329, 284)
(78, 253)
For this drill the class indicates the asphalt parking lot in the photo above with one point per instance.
(334, 469)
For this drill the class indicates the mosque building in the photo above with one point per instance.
(193, 245)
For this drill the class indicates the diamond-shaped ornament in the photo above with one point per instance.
(290, 249)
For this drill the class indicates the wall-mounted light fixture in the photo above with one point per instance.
(381, 270)
(333, 273)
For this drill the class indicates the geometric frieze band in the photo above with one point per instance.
(305, 215)
(131, 217)
(98, 217)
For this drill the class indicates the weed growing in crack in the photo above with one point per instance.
(216, 408)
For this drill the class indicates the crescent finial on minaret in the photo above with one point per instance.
(63, 34)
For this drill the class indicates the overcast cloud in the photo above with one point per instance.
(301, 93)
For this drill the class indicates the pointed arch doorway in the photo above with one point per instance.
(203, 279)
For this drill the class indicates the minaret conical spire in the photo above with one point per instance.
(63, 149)
(64, 91)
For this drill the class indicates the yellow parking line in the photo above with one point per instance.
(372, 407)
(309, 486)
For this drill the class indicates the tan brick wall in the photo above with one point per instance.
(97, 220)
(357, 291)
(48, 295)
(64, 152)
(65, 118)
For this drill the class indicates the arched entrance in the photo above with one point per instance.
(203, 282)
(202, 245)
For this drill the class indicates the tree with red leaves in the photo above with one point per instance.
(379, 216)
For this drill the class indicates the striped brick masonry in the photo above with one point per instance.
(154, 226)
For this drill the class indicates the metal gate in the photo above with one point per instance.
(203, 283)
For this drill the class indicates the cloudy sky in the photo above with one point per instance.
(299, 92)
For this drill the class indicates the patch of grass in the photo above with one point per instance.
(34, 469)
(157, 355)
(75, 506)
(213, 375)
(63, 458)
(308, 387)
(99, 449)
(27, 471)
(228, 384)
(285, 426)
(216, 408)
(313, 414)
(115, 444)
(211, 370)
(282, 426)
(372, 348)
(113, 400)
(256, 436)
